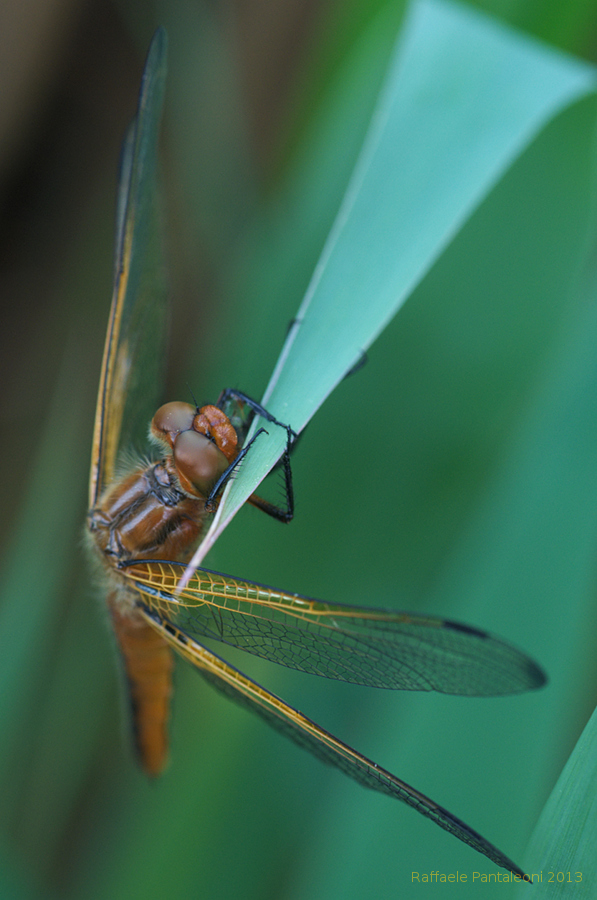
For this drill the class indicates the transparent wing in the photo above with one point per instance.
(311, 737)
(134, 353)
(374, 647)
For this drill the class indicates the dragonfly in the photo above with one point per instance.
(145, 519)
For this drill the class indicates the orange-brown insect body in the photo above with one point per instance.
(148, 664)
(146, 516)
(158, 512)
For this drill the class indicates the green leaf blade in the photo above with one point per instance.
(462, 99)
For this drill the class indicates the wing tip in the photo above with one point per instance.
(159, 43)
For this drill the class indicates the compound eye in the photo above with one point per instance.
(170, 420)
(198, 462)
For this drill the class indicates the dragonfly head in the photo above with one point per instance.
(202, 443)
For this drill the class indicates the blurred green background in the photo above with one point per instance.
(454, 474)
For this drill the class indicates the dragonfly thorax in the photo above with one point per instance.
(158, 511)
(146, 515)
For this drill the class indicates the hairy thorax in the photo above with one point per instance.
(146, 515)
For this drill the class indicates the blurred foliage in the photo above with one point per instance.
(455, 473)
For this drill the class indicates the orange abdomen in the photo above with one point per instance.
(148, 664)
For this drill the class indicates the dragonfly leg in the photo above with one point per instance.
(282, 514)
(231, 393)
(219, 485)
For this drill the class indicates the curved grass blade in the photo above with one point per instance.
(435, 149)
(563, 843)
